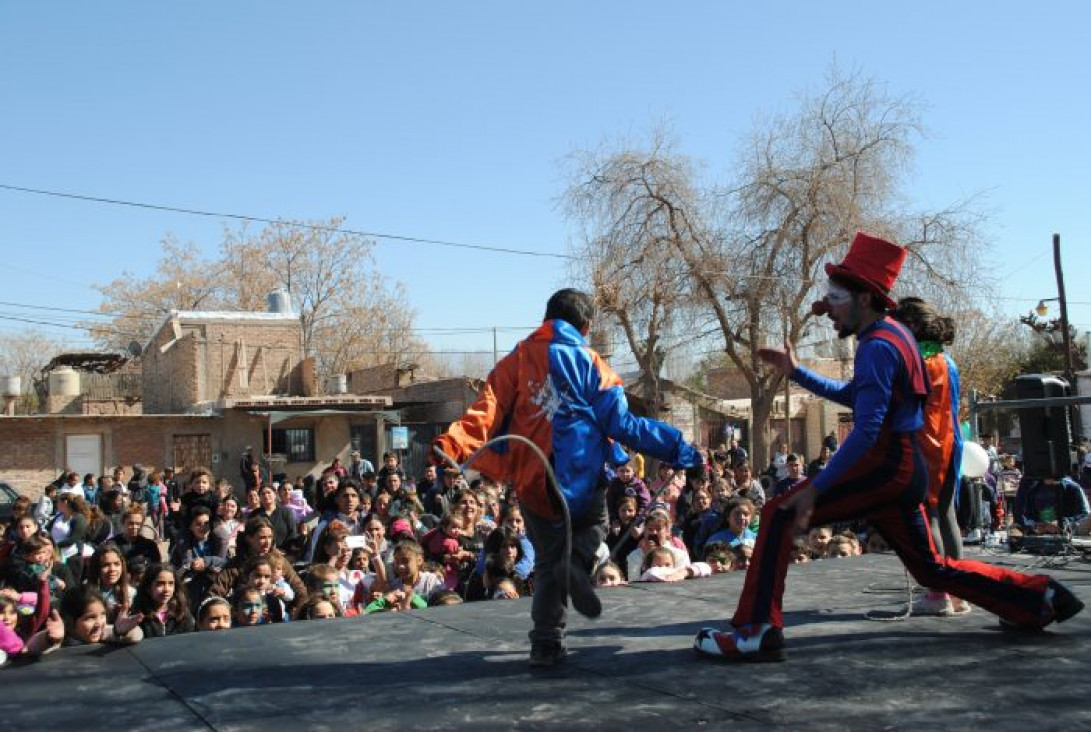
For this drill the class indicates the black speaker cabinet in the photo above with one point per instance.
(1046, 433)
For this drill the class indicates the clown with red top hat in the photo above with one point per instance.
(878, 474)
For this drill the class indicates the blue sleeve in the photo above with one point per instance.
(832, 389)
(876, 366)
(649, 436)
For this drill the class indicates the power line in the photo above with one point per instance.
(156, 318)
(296, 224)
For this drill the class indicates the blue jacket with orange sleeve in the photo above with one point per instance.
(557, 392)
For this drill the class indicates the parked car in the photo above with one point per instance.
(8, 494)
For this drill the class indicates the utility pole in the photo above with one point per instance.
(1069, 370)
(787, 383)
(495, 357)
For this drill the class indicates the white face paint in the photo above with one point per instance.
(837, 295)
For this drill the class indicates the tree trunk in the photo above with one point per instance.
(761, 408)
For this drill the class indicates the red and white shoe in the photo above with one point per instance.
(756, 643)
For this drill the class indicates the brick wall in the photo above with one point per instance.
(32, 449)
(446, 399)
(220, 358)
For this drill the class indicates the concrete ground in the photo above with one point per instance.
(465, 666)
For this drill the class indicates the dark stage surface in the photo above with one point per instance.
(465, 666)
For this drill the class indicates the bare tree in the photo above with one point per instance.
(621, 202)
(138, 306)
(350, 316)
(25, 355)
(753, 249)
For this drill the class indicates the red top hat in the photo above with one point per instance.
(873, 263)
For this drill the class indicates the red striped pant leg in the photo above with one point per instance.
(881, 479)
(1012, 595)
(763, 589)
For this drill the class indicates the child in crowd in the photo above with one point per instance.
(498, 570)
(410, 587)
(719, 557)
(626, 484)
(844, 544)
(22, 617)
(84, 613)
(801, 551)
(818, 539)
(625, 529)
(441, 544)
(735, 529)
(259, 575)
(214, 613)
(36, 563)
(161, 600)
(249, 607)
(324, 581)
(298, 505)
(656, 532)
(318, 608)
(107, 569)
(445, 597)
(658, 566)
(505, 589)
(1007, 485)
(609, 575)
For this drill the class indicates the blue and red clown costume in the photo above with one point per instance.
(880, 474)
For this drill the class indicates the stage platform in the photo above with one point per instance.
(465, 667)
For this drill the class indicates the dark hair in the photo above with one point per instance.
(74, 603)
(444, 597)
(208, 603)
(311, 607)
(251, 529)
(177, 606)
(199, 511)
(501, 537)
(924, 322)
(498, 568)
(333, 531)
(94, 572)
(572, 306)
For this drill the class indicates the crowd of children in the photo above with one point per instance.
(105, 560)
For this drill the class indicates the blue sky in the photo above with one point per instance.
(451, 121)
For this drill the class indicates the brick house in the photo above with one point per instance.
(212, 384)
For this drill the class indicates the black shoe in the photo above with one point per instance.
(580, 589)
(1064, 603)
(547, 655)
(1060, 604)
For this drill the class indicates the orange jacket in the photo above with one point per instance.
(940, 439)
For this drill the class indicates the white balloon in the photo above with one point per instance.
(975, 461)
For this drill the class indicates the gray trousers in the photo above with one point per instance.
(548, 607)
(944, 524)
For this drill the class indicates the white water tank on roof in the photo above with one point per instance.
(11, 386)
(64, 381)
(337, 384)
(280, 301)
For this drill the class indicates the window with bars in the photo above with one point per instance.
(296, 443)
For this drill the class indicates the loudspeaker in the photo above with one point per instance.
(1046, 432)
